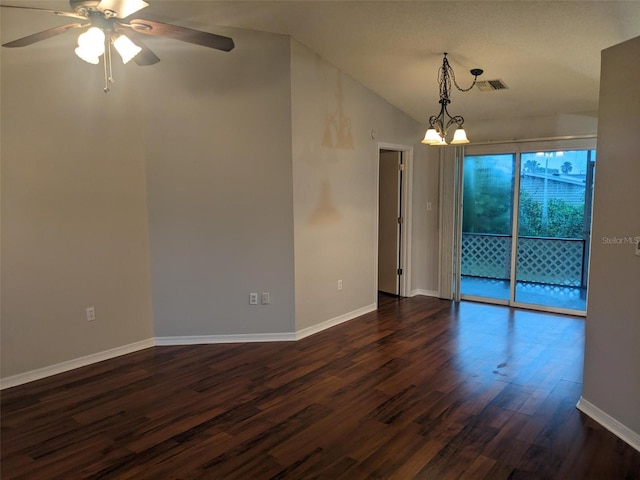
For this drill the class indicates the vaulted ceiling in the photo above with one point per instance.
(546, 52)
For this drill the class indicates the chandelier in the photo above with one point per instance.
(439, 124)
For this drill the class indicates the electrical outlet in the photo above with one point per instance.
(265, 298)
(91, 314)
(253, 299)
(339, 285)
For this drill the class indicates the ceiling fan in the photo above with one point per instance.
(105, 23)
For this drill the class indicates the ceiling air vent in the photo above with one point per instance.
(491, 85)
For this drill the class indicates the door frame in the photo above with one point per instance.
(406, 193)
(517, 148)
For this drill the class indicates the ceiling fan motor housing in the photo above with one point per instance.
(83, 7)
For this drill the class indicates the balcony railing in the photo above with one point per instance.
(553, 261)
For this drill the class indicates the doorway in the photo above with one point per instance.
(393, 227)
(526, 220)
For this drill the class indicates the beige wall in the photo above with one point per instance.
(334, 188)
(74, 212)
(425, 242)
(612, 354)
(217, 194)
(218, 130)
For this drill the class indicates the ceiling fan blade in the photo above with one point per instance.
(44, 35)
(145, 56)
(57, 12)
(183, 34)
(122, 8)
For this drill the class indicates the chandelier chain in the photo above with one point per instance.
(453, 77)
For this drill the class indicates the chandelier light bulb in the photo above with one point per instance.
(431, 137)
(459, 137)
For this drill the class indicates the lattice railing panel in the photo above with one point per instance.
(542, 260)
(549, 260)
(487, 256)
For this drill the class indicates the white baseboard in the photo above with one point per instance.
(426, 293)
(264, 337)
(234, 338)
(305, 332)
(44, 372)
(40, 373)
(607, 421)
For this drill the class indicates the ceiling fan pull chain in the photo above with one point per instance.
(108, 68)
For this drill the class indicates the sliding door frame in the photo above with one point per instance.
(517, 149)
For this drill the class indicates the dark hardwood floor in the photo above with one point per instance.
(422, 388)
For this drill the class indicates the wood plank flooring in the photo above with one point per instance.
(423, 388)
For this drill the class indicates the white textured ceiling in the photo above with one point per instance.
(547, 52)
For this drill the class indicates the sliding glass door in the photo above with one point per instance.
(486, 226)
(554, 221)
(526, 218)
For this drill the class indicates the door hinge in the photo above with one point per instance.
(399, 271)
(400, 220)
(401, 167)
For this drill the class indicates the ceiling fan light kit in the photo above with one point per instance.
(126, 48)
(106, 27)
(439, 124)
(91, 45)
